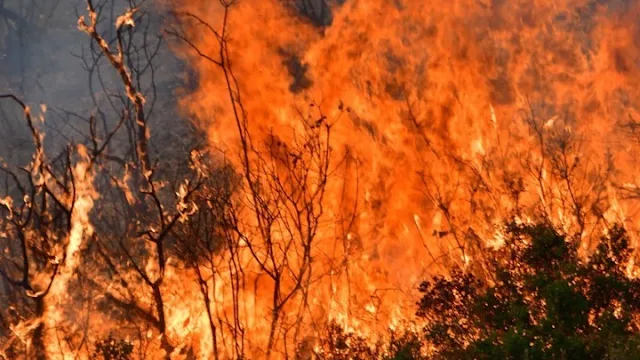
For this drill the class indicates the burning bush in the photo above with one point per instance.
(537, 299)
(113, 349)
(334, 155)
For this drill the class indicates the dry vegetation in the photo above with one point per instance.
(116, 209)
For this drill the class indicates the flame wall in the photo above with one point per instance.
(449, 117)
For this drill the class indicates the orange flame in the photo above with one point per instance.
(452, 117)
(446, 120)
(81, 203)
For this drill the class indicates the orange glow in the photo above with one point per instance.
(81, 204)
(448, 118)
(442, 121)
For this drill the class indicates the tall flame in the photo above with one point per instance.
(58, 299)
(451, 117)
(442, 120)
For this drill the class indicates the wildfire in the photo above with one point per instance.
(81, 204)
(409, 86)
(384, 144)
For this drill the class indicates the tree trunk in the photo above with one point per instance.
(162, 323)
(39, 346)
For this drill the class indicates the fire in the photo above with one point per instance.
(81, 204)
(75, 194)
(466, 113)
(389, 144)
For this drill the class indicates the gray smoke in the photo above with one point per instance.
(46, 59)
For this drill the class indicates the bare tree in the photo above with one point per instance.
(138, 211)
(38, 211)
(284, 184)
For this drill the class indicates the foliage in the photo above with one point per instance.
(541, 300)
(339, 344)
(111, 348)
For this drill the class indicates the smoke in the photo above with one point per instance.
(45, 59)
